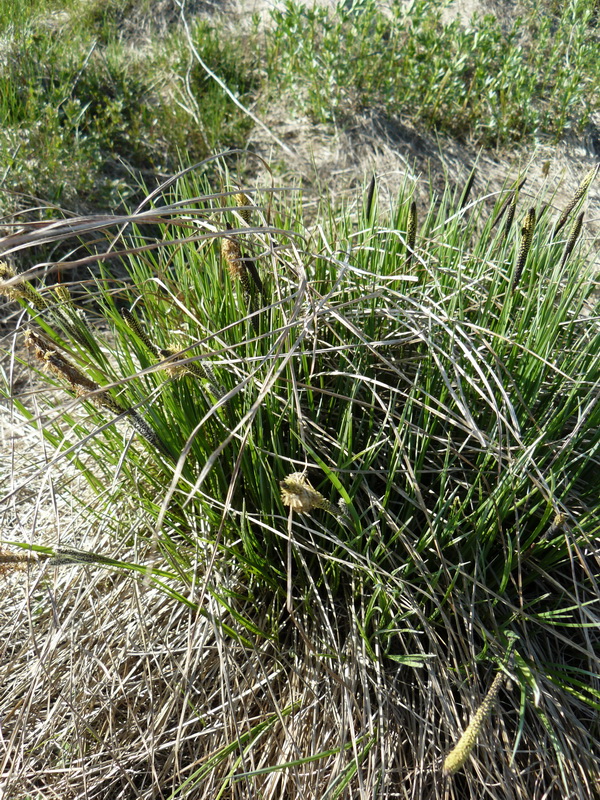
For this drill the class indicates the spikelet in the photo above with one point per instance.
(173, 368)
(526, 239)
(458, 756)
(240, 199)
(142, 427)
(199, 369)
(369, 199)
(9, 562)
(467, 190)
(583, 187)
(83, 387)
(232, 255)
(574, 234)
(135, 326)
(63, 295)
(302, 497)
(20, 291)
(411, 234)
(507, 201)
(510, 213)
(62, 368)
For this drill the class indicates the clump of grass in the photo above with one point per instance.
(331, 653)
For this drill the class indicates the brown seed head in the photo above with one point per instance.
(526, 239)
(232, 255)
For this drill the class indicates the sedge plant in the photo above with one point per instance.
(370, 475)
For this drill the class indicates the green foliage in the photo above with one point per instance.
(84, 104)
(483, 83)
(83, 108)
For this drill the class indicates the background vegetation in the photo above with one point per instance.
(96, 96)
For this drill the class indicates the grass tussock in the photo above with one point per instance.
(206, 641)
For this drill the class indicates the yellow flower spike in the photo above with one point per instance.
(240, 199)
(458, 756)
(302, 497)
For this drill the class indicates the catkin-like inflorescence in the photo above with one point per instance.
(146, 431)
(240, 199)
(583, 187)
(83, 387)
(510, 213)
(467, 190)
(232, 255)
(510, 198)
(411, 233)
(574, 234)
(62, 368)
(135, 326)
(457, 758)
(20, 291)
(63, 295)
(199, 369)
(302, 497)
(526, 239)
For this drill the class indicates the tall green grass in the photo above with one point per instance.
(451, 407)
